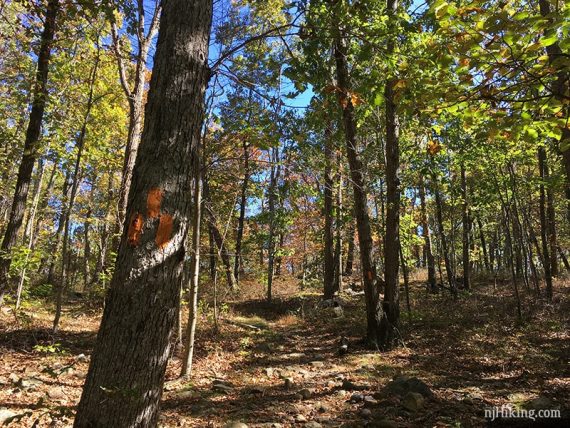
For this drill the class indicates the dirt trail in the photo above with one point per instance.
(279, 364)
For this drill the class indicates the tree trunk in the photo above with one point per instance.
(559, 90)
(31, 145)
(466, 229)
(390, 322)
(374, 311)
(126, 375)
(274, 177)
(75, 181)
(427, 238)
(328, 265)
(439, 216)
(135, 97)
(194, 271)
(483, 245)
(242, 206)
(544, 229)
(350, 249)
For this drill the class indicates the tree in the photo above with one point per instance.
(31, 145)
(126, 373)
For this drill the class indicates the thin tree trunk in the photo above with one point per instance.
(328, 248)
(391, 305)
(439, 217)
(242, 206)
(466, 229)
(274, 177)
(75, 181)
(194, 272)
(544, 232)
(374, 312)
(350, 249)
(427, 238)
(31, 145)
(133, 343)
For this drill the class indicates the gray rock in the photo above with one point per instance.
(350, 386)
(300, 418)
(6, 414)
(341, 393)
(56, 394)
(14, 378)
(82, 358)
(540, 403)
(306, 393)
(317, 364)
(313, 424)
(222, 387)
(401, 385)
(356, 398)
(413, 401)
(322, 408)
(366, 413)
(370, 401)
(269, 371)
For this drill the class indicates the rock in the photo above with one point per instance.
(338, 312)
(300, 418)
(14, 378)
(313, 424)
(370, 401)
(82, 358)
(401, 385)
(288, 382)
(30, 383)
(366, 413)
(350, 386)
(356, 398)
(322, 408)
(306, 393)
(56, 394)
(271, 425)
(294, 356)
(186, 395)
(384, 423)
(235, 425)
(540, 403)
(4, 381)
(5, 414)
(413, 401)
(269, 371)
(341, 393)
(317, 364)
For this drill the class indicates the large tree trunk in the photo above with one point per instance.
(374, 311)
(31, 145)
(391, 305)
(124, 383)
(271, 199)
(427, 238)
(328, 264)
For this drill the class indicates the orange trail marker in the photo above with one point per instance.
(153, 201)
(135, 229)
(164, 232)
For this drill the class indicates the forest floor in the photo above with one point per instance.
(278, 365)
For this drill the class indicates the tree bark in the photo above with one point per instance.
(125, 378)
(427, 238)
(544, 229)
(328, 248)
(388, 336)
(374, 312)
(466, 229)
(242, 206)
(31, 144)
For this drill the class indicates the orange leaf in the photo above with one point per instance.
(433, 148)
